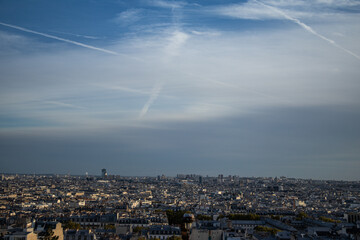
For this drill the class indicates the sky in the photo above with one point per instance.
(258, 88)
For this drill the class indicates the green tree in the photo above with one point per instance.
(49, 234)
(175, 217)
(301, 216)
(71, 225)
(325, 219)
(138, 229)
(175, 238)
(273, 231)
(276, 217)
(109, 227)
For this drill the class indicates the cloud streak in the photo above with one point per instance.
(77, 35)
(167, 4)
(59, 39)
(125, 89)
(176, 41)
(128, 16)
(309, 29)
(154, 95)
(61, 104)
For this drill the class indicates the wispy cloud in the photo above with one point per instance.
(248, 10)
(253, 10)
(154, 95)
(206, 33)
(62, 104)
(176, 41)
(59, 39)
(339, 3)
(128, 16)
(125, 89)
(167, 4)
(77, 35)
(308, 28)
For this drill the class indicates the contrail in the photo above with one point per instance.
(154, 95)
(76, 35)
(177, 40)
(309, 29)
(64, 104)
(58, 38)
(125, 89)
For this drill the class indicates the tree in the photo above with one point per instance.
(49, 234)
(325, 219)
(276, 217)
(71, 225)
(174, 238)
(138, 229)
(109, 227)
(273, 231)
(175, 217)
(301, 216)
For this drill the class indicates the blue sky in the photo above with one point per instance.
(248, 88)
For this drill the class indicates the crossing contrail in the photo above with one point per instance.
(59, 38)
(309, 29)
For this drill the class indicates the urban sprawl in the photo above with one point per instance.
(194, 207)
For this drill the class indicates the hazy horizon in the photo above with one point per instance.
(114, 175)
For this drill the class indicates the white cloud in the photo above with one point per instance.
(206, 33)
(248, 10)
(122, 88)
(128, 16)
(154, 95)
(198, 76)
(338, 3)
(310, 30)
(252, 10)
(62, 104)
(59, 39)
(167, 4)
(176, 42)
(77, 35)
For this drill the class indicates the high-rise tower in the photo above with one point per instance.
(103, 173)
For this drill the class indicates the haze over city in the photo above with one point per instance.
(150, 87)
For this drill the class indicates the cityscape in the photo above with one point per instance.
(179, 119)
(186, 206)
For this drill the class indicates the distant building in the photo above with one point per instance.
(220, 178)
(79, 235)
(103, 173)
(41, 227)
(163, 232)
(29, 235)
(206, 234)
(352, 217)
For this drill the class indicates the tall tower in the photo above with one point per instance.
(220, 178)
(103, 173)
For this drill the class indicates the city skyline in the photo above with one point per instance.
(190, 207)
(151, 87)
